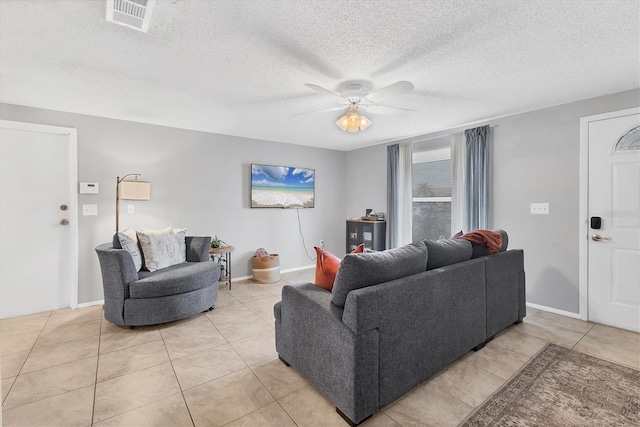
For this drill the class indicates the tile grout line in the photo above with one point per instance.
(184, 399)
(25, 361)
(601, 357)
(152, 402)
(95, 384)
(148, 367)
(265, 386)
(275, 400)
(581, 338)
(272, 395)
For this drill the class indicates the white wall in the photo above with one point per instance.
(535, 158)
(200, 181)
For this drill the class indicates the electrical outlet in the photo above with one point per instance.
(321, 244)
(539, 208)
(89, 210)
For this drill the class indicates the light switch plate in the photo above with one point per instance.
(539, 208)
(89, 188)
(131, 208)
(89, 210)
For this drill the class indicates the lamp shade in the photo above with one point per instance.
(135, 190)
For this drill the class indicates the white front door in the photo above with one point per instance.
(614, 198)
(38, 219)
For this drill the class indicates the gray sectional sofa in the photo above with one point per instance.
(133, 298)
(394, 319)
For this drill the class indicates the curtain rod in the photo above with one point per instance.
(444, 135)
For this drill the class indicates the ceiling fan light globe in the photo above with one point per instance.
(343, 122)
(354, 119)
(364, 122)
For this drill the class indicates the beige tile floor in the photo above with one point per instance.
(73, 368)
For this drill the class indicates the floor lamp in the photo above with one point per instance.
(130, 190)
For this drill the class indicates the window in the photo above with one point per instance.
(629, 141)
(431, 177)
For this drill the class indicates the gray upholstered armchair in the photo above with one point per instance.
(134, 298)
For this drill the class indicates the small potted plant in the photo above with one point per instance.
(216, 242)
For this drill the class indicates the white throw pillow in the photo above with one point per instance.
(129, 242)
(181, 234)
(160, 248)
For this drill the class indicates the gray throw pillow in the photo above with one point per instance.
(365, 269)
(447, 251)
(482, 250)
(130, 245)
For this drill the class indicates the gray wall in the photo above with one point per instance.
(535, 158)
(200, 181)
(366, 180)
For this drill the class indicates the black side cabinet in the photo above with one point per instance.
(371, 233)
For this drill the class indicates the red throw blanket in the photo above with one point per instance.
(488, 238)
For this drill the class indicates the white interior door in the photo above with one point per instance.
(38, 249)
(614, 248)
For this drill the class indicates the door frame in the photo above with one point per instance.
(72, 135)
(583, 262)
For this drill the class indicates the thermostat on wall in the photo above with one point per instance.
(89, 188)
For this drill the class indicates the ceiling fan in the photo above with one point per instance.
(353, 99)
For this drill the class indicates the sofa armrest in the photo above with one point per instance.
(118, 271)
(361, 310)
(197, 248)
(311, 337)
(505, 289)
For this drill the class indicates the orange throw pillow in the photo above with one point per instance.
(327, 266)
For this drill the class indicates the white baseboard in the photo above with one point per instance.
(89, 304)
(554, 310)
(288, 270)
(304, 267)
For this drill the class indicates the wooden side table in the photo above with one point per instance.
(223, 255)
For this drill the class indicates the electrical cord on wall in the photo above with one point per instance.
(304, 245)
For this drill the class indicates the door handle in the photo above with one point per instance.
(64, 221)
(598, 238)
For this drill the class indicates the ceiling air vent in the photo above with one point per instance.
(134, 14)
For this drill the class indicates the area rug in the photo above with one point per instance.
(562, 387)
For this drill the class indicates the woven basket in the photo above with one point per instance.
(266, 269)
(270, 261)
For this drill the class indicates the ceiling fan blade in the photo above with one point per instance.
(388, 110)
(390, 91)
(319, 111)
(322, 90)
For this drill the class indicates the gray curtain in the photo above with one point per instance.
(477, 184)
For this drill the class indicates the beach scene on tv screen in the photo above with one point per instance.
(282, 187)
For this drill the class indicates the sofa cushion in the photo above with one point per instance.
(178, 279)
(447, 251)
(327, 265)
(160, 248)
(128, 241)
(361, 270)
(482, 250)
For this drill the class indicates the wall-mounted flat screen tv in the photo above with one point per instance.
(282, 187)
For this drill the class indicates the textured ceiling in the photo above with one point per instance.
(239, 67)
